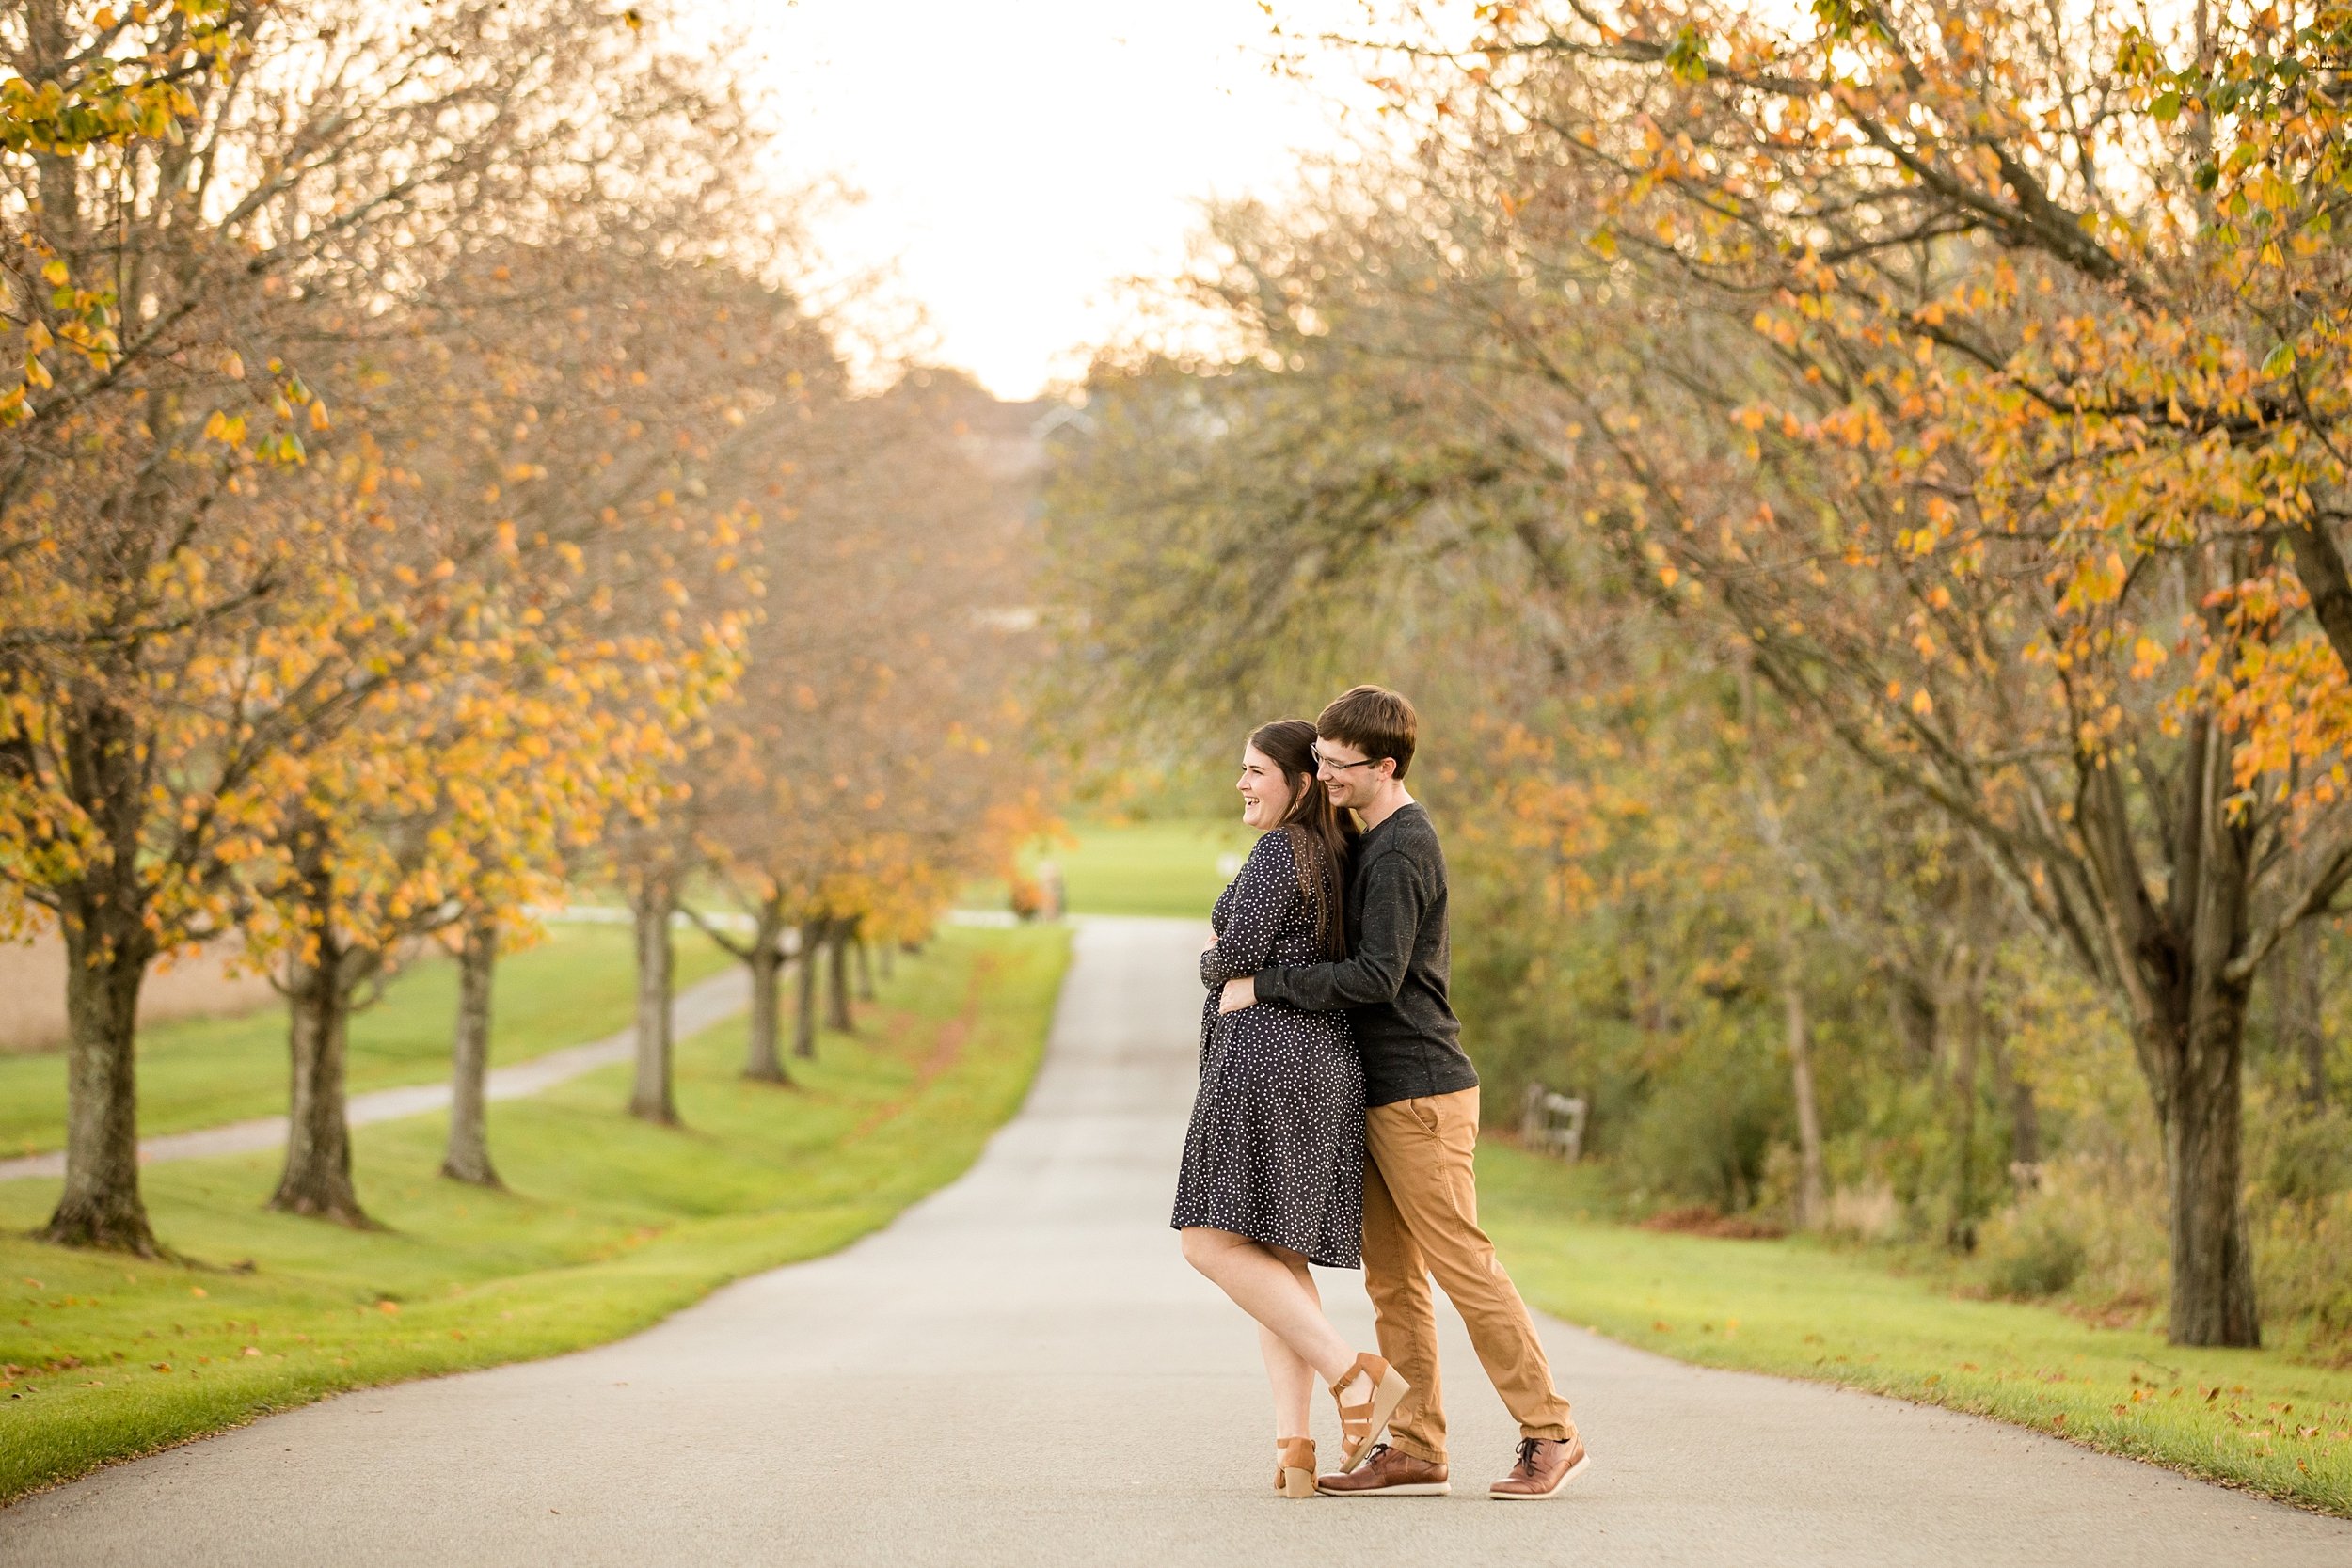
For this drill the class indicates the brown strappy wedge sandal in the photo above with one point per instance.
(1295, 1468)
(1360, 1424)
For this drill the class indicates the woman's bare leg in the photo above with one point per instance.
(1292, 1382)
(1290, 1377)
(1262, 1284)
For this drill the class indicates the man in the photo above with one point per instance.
(1421, 1122)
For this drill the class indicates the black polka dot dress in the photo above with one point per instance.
(1276, 1150)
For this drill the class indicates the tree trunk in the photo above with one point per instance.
(2025, 1130)
(1961, 1230)
(317, 1178)
(804, 1015)
(886, 959)
(1911, 1011)
(1812, 1197)
(765, 1063)
(2213, 1264)
(101, 1205)
(468, 1158)
(865, 970)
(1812, 1200)
(2024, 1116)
(837, 981)
(651, 1097)
(2301, 980)
(2175, 964)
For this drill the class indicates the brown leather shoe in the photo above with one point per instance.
(1385, 1473)
(1546, 1466)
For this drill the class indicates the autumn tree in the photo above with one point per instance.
(868, 764)
(587, 443)
(1938, 366)
(2006, 374)
(186, 595)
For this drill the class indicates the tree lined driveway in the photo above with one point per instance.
(1021, 1371)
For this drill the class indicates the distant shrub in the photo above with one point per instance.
(1704, 1134)
(2310, 1155)
(2030, 1254)
(1704, 1219)
(1868, 1213)
(2300, 1212)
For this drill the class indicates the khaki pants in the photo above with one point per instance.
(1420, 1219)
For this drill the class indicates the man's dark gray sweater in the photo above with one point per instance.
(1392, 981)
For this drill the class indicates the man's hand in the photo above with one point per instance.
(1238, 993)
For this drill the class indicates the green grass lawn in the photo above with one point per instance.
(1803, 1307)
(575, 987)
(608, 1224)
(1166, 869)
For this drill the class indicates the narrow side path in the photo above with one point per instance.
(1021, 1372)
(698, 1006)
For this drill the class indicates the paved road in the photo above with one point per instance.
(1021, 1373)
(695, 1008)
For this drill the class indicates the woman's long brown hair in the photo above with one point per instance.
(1322, 836)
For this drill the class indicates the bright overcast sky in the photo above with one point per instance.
(1018, 158)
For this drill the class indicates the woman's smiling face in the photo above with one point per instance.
(1265, 794)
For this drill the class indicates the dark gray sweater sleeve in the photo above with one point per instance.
(1374, 971)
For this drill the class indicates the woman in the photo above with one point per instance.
(1274, 1163)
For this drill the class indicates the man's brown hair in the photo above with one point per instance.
(1375, 721)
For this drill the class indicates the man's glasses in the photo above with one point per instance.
(1338, 767)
